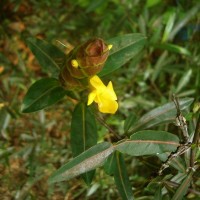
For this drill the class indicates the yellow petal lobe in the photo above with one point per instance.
(96, 83)
(91, 97)
(103, 95)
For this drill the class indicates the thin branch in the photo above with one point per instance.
(179, 151)
(102, 121)
(183, 147)
(181, 122)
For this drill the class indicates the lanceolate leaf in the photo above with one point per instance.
(159, 115)
(83, 129)
(124, 48)
(121, 177)
(184, 80)
(83, 133)
(48, 55)
(42, 94)
(115, 165)
(149, 142)
(109, 165)
(169, 27)
(130, 120)
(182, 190)
(174, 48)
(86, 161)
(158, 193)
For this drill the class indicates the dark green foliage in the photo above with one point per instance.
(155, 55)
(83, 134)
(42, 94)
(48, 55)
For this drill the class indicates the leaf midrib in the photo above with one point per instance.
(65, 172)
(127, 46)
(41, 96)
(84, 127)
(184, 184)
(150, 141)
(153, 117)
(120, 174)
(43, 52)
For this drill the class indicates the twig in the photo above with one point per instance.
(180, 150)
(181, 121)
(183, 147)
(195, 142)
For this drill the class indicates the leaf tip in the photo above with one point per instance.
(23, 109)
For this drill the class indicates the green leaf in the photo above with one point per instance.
(130, 120)
(121, 177)
(4, 119)
(48, 55)
(169, 27)
(162, 62)
(86, 161)
(182, 189)
(124, 48)
(109, 164)
(150, 3)
(94, 5)
(174, 48)
(83, 134)
(158, 193)
(4, 153)
(154, 184)
(42, 94)
(83, 129)
(115, 165)
(184, 80)
(184, 20)
(163, 114)
(149, 142)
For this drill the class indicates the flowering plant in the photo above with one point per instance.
(79, 75)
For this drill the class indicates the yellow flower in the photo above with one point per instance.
(103, 95)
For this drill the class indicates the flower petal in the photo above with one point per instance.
(96, 82)
(111, 91)
(103, 95)
(91, 97)
(107, 106)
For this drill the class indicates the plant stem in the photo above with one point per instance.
(181, 122)
(102, 121)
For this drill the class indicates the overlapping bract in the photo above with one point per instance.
(84, 61)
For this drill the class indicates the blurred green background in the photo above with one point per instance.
(32, 146)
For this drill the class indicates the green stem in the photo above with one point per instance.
(102, 121)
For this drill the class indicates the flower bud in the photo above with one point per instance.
(69, 82)
(84, 61)
(90, 56)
